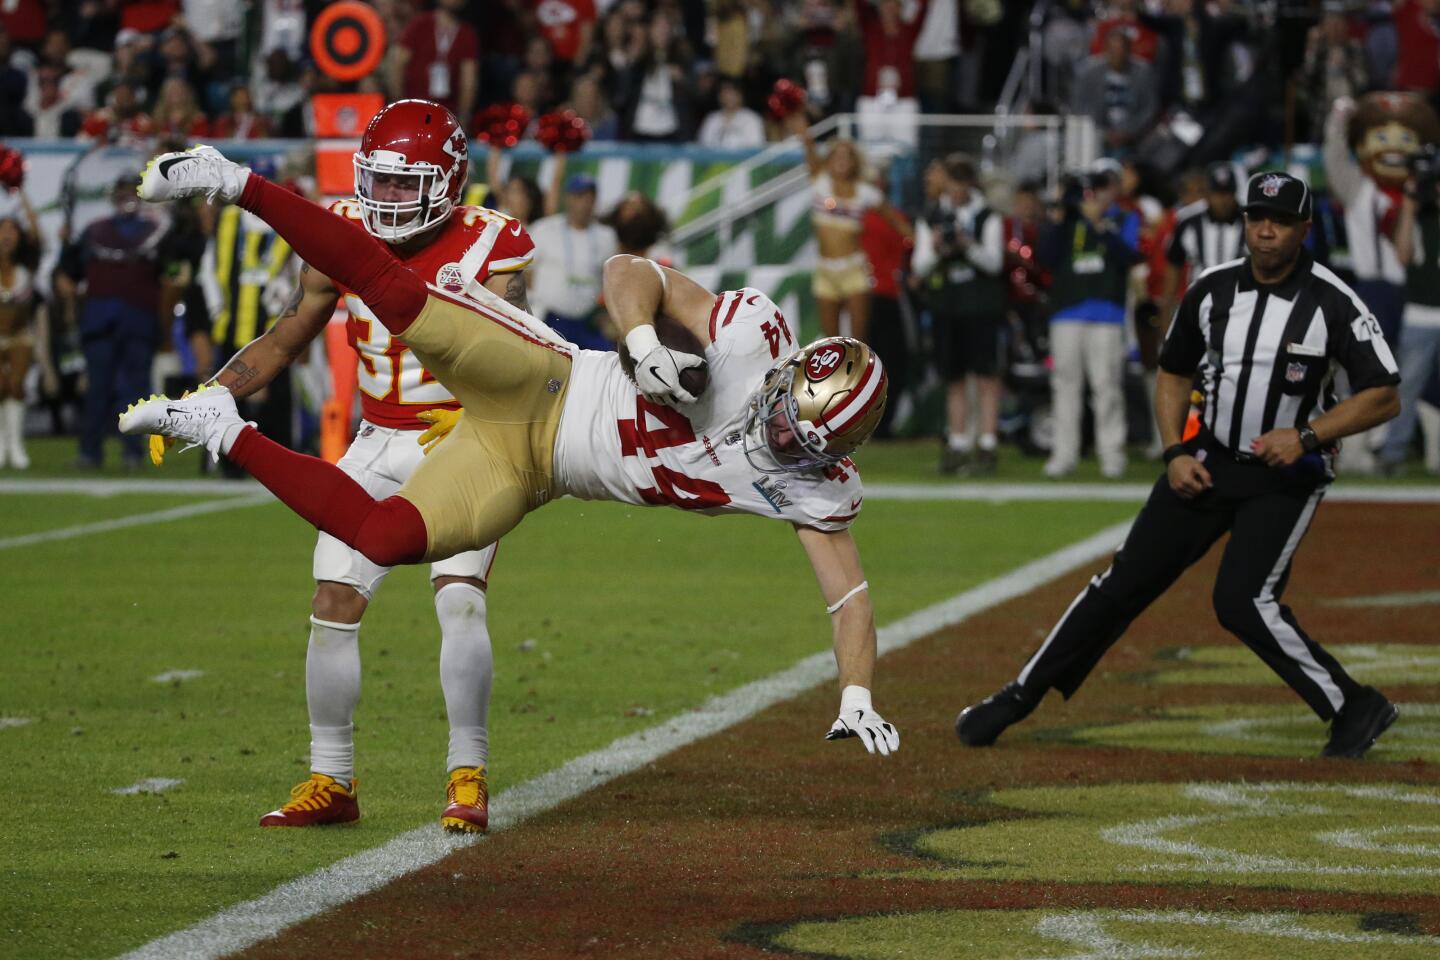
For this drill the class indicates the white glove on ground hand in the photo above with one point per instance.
(859, 719)
(658, 368)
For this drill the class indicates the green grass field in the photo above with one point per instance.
(605, 619)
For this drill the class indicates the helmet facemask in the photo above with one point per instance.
(772, 427)
(424, 186)
(815, 407)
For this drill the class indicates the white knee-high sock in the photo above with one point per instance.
(332, 689)
(466, 670)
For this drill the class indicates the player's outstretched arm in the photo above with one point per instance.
(636, 291)
(261, 360)
(836, 561)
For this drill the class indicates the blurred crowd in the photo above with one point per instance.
(952, 275)
(1157, 77)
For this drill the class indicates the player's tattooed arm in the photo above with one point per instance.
(303, 317)
(240, 375)
(515, 291)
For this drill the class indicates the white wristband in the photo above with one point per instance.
(855, 698)
(864, 585)
(641, 341)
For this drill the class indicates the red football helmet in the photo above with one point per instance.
(411, 169)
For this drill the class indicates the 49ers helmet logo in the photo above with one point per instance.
(823, 362)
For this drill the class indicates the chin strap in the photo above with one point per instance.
(835, 607)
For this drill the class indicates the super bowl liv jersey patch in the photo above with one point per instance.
(613, 444)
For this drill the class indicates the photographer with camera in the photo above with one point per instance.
(960, 253)
(1089, 247)
(1417, 244)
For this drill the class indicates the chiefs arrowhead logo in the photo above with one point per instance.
(823, 362)
(449, 278)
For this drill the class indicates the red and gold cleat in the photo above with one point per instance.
(469, 796)
(316, 802)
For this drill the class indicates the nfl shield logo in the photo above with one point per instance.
(1271, 185)
(1294, 372)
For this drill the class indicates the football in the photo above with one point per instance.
(676, 336)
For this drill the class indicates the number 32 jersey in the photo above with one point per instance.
(613, 444)
(394, 387)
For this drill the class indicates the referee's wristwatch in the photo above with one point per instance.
(1308, 440)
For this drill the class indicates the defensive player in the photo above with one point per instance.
(770, 435)
(409, 174)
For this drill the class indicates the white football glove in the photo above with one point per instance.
(658, 368)
(859, 719)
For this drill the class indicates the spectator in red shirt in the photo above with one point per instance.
(438, 59)
(887, 240)
(24, 20)
(177, 113)
(1417, 63)
(889, 47)
(121, 119)
(147, 16)
(242, 122)
(568, 26)
(1144, 43)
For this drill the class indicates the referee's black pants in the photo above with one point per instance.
(1267, 514)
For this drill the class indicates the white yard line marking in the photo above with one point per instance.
(148, 785)
(177, 676)
(1346, 491)
(1082, 927)
(1111, 492)
(102, 487)
(1419, 598)
(9, 722)
(136, 520)
(247, 923)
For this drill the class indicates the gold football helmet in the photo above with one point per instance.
(815, 407)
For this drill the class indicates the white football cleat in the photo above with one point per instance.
(188, 173)
(201, 419)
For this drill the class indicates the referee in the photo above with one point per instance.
(1206, 234)
(1262, 332)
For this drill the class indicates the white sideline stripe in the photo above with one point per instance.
(98, 487)
(290, 903)
(136, 520)
(925, 492)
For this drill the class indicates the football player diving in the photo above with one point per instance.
(770, 433)
(410, 172)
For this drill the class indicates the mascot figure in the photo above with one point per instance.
(1369, 147)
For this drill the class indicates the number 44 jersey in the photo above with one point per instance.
(613, 444)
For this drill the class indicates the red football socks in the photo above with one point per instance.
(389, 531)
(341, 250)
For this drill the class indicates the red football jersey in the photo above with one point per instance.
(394, 387)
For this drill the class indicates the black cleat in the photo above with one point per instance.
(980, 724)
(1359, 723)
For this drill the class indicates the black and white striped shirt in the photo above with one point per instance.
(1267, 353)
(1202, 241)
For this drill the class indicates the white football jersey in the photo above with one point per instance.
(613, 444)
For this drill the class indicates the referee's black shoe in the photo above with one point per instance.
(1359, 723)
(981, 723)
